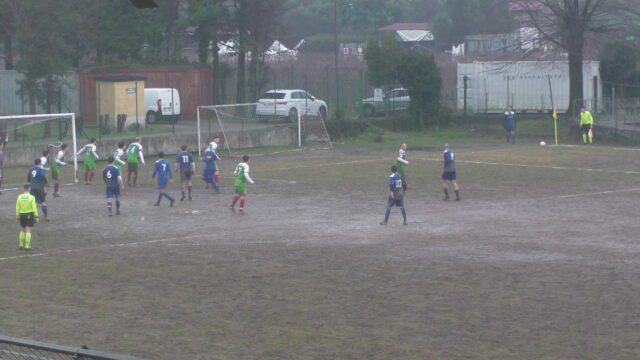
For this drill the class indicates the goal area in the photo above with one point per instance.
(251, 125)
(26, 137)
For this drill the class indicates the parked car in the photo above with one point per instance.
(161, 104)
(287, 104)
(394, 100)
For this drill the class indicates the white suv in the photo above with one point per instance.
(287, 104)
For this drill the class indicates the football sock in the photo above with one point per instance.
(216, 177)
(457, 194)
(44, 211)
(590, 137)
(86, 176)
(584, 138)
(118, 205)
(183, 195)
(21, 238)
(242, 201)
(189, 188)
(109, 207)
(404, 214)
(91, 175)
(215, 186)
(160, 197)
(235, 200)
(446, 192)
(27, 240)
(387, 213)
(167, 196)
(135, 178)
(56, 188)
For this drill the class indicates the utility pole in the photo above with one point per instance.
(336, 59)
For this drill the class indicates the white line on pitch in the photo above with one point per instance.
(600, 147)
(596, 193)
(20, 188)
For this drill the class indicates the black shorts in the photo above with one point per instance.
(185, 175)
(585, 128)
(27, 220)
(40, 195)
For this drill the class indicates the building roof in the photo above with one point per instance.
(406, 26)
(120, 78)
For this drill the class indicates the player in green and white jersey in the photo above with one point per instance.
(134, 157)
(90, 157)
(57, 165)
(117, 156)
(242, 177)
(401, 163)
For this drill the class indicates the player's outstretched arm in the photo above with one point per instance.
(141, 156)
(249, 179)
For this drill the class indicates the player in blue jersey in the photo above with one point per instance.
(162, 170)
(113, 181)
(396, 196)
(37, 178)
(449, 173)
(186, 167)
(210, 169)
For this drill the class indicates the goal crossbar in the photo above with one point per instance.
(46, 117)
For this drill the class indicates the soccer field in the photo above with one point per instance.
(540, 260)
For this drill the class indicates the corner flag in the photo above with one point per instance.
(555, 123)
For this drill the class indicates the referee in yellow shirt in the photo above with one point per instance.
(27, 213)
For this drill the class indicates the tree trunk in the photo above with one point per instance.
(253, 73)
(49, 93)
(216, 83)
(8, 52)
(241, 91)
(576, 94)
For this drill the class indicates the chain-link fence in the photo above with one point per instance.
(21, 349)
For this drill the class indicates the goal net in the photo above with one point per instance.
(27, 137)
(252, 125)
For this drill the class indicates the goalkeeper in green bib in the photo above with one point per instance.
(90, 157)
(242, 177)
(134, 157)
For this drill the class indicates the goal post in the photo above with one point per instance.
(250, 125)
(26, 129)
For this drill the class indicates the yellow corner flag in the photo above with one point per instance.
(555, 123)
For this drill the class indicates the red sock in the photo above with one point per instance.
(216, 177)
(91, 175)
(86, 176)
(56, 187)
(242, 203)
(235, 200)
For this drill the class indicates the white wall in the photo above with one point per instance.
(523, 84)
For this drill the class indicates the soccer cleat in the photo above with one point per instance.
(173, 201)
(182, 198)
(241, 211)
(458, 198)
(56, 195)
(110, 214)
(384, 223)
(118, 212)
(157, 204)
(232, 208)
(446, 198)
(405, 223)
(189, 197)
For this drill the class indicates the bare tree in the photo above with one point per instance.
(568, 24)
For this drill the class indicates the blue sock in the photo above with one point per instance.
(446, 192)
(167, 196)
(387, 213)
(404, 214)
(117, 204)
(44, 211)
(189, 189)
(160, 197)
(215, 186)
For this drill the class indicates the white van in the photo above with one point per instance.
(161, 104)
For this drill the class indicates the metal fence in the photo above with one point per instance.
(21, 349)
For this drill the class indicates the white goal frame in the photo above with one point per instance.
(53, 117)
(215, 107)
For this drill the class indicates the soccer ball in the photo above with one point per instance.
(542, 143)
